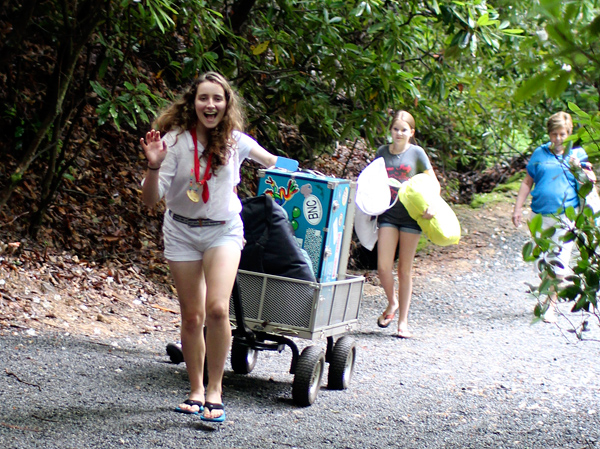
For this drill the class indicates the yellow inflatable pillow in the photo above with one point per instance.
(420, 192)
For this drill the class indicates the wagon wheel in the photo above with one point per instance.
(174, 352)
(176, 355)
(243, 358)
(309, 374)
(341, 366)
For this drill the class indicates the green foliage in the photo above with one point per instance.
(154, 12)
(16, 177)
(563, 54)
(317, 72)
(512, 185)
(314, 73)
(330, 70)
(502, 193)
(131, 104)
(582, 287)
(587, 131)
(481, 199)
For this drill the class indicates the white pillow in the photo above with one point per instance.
(373, 193)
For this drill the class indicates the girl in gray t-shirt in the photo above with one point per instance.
(403, 159)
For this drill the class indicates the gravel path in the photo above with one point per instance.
(477, 374)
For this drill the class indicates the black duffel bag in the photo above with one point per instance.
(271, 247)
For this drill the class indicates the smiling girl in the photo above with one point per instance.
(196, 167)
(403, 159)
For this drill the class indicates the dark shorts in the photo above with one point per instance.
(401, 228)
(398, 217)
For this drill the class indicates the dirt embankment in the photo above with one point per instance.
(63, 292)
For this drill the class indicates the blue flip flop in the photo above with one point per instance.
(213, 406)
(191, 403)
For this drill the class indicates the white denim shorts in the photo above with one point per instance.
(564, 250)
(185, 243)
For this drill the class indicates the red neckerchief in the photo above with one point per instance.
(207, 173)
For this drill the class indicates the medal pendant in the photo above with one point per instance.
(193, 195)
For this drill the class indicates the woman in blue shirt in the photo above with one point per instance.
(553, 188)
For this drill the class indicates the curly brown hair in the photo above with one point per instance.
(181, 115)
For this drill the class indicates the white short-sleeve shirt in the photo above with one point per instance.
(176, 176)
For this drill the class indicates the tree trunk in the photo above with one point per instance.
(68, 54)
(53, 179)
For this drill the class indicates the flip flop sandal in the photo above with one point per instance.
(213, 406)
(191, 403)
(385, 320)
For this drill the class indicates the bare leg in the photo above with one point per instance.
(220, 268)
(387, 244)
(551, 315)
(408, 248)
(191, 290)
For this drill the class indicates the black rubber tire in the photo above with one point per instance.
(174, 353)
(309, 375)
(342, 362)
(243, 358)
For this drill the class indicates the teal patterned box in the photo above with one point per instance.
(317, 207)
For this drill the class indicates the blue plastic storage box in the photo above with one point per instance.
(317, 206)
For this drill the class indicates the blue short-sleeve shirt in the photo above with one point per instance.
(555, 187)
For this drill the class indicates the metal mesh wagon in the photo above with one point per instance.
(269, 309)
(296, 308)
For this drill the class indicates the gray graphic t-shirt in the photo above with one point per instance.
(402, 167)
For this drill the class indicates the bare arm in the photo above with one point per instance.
(150, 193)
(262, 156)
(524, 190)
